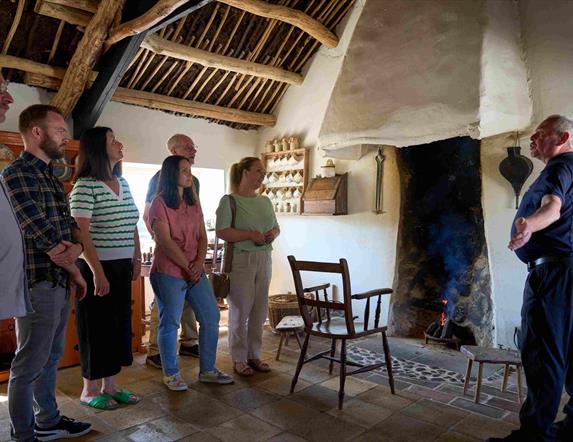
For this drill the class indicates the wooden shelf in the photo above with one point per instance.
(301, 167)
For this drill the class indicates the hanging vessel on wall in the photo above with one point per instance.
(516, 169)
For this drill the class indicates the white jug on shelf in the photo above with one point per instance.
(297, 177)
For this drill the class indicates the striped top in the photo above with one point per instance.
(113, 217)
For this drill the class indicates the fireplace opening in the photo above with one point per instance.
(442, 271)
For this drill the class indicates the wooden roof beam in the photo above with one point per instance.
(161, 10)
(195, 108)
(162, 46)
(68, 14)
(84, 5)
(85, 56)
(288, 15)
(42, 75)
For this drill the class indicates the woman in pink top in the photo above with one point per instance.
(177, 272)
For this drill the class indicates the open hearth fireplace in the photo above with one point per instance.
(447, 332)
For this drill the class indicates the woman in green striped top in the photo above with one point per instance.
(107, 216)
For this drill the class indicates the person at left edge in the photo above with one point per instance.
(52, 247)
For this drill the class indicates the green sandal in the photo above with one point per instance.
(101, 402)
(126, 397)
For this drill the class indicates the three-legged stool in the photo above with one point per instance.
(288, 325)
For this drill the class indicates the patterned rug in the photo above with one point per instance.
(404, 367)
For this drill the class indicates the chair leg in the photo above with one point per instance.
(468, 376)
(478, 384)
(332, 353)
(297, 339)
(505, 377)
(299, 363)
(280, 346)
(519, 394)
(388, 359)
(342, 372)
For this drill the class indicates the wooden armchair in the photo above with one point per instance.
(334, 320)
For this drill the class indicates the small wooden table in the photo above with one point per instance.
(289, 324)
(493, 356)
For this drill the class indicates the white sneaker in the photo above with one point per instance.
(174, 382)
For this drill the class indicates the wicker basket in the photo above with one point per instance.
(280, 306)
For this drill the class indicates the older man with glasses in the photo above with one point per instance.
(183, 145)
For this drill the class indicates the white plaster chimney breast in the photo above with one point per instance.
(418, 71)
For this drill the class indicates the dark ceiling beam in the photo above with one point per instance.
(115, 62)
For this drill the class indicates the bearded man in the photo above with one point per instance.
(52, 246)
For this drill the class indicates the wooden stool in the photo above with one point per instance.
(287, 325)
(493, 356)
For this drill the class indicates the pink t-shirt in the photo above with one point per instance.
(185, 224)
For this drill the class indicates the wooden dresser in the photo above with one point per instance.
(64, 170)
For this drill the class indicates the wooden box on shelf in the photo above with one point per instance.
(326, 196)
(286, 179)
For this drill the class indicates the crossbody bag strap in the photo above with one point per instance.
(228, 259)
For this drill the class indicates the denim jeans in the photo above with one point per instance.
(170, 295)
(32, 386)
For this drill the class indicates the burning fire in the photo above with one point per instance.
(443, 317)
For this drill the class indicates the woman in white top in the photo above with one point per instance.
(106, 214)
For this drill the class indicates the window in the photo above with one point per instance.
(212, 188)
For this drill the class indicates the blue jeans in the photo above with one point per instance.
(170, 294)
(40, 336)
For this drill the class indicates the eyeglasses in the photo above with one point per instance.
(4, 86)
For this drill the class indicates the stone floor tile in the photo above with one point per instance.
(435, 413)
(383, 380)
(287, 414)
(327, 428)
(401, 428)
(202, 436)
(435, 395)
(4, 429)
(286, 437)
(315, 374)
(317, 397)
(196, 408)
(130, 415)
(280, 384)
(482, 427)
(452, 436)
(504, 404)
(249, 398)
(99, 429)
(352, 386)
(361, 413)
(496, 391)
(484, 410)
(245, 428)
(513, 418)
(164, 429)
(382, 396)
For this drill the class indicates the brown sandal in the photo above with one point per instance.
(242, 369)
(258, 365)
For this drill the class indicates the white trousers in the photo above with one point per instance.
(248, 303)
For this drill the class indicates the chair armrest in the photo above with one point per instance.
(375, 292)
(316, 288)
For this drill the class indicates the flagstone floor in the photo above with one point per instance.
(429, 404)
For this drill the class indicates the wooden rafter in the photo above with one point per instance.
(85, 56)
(84, 5)
(158, 12)
(42, 75)
(68, 14)
(287, 15)
(189, 107)
(161, 46)
(14, 26)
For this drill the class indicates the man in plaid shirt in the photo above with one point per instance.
(52, 247)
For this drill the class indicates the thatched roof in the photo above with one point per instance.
(240, 60)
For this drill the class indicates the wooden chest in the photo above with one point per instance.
(326, 196)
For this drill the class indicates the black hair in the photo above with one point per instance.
(92, 161)
(167, 186)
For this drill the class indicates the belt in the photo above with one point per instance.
(547, 259)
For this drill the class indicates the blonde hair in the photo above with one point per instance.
(236, 172)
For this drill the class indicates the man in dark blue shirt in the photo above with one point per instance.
(542, 237)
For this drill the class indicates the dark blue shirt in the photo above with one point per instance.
(556, 239)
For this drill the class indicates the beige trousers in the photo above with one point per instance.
(248, 303)
(188, 335)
